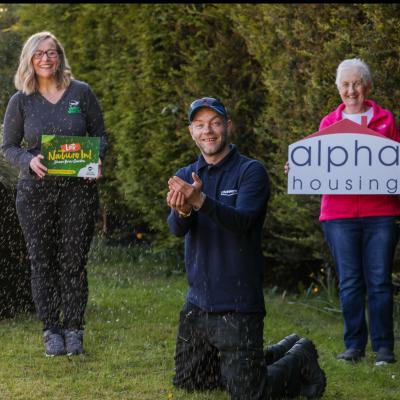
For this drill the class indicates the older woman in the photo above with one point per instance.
(57, 214)
(362, 230)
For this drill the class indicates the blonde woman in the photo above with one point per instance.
(57, 214)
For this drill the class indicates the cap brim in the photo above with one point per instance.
(218, 110)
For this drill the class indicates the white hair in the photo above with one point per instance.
(356, 64)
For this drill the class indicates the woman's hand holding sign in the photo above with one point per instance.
(287, 167)
(37, 167)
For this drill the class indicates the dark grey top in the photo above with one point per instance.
(28, 117)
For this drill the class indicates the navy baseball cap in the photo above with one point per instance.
(210, 102)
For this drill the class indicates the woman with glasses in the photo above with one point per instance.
(57, 214)
(362, 231)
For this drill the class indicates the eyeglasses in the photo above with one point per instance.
(38, 54)
(356, 85)
(215, 124)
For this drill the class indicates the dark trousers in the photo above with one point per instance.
(363, 250)
(57, 216)
(221, 350)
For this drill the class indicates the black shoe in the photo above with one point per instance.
(351, 355)
(276, 351)
(313, 377)
(384, 356)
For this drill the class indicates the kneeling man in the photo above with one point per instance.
(218, 203)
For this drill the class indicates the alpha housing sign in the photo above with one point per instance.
(344, 163)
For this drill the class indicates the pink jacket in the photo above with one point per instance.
(353, 205)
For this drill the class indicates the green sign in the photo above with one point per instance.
(71, 155)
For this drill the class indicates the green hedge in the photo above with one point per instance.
(273, 64)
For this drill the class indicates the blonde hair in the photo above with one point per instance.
(25, 77)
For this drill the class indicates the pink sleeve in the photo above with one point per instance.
(393, 132)
(325, 122)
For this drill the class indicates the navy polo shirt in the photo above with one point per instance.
(223, 258)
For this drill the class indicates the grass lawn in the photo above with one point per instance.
(131, 322)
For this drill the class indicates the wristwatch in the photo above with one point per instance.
(185, 215)
(203, 198)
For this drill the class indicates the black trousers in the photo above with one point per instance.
(57, 216)
(225, 351)
(221, 350)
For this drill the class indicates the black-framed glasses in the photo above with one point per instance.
(51, 53)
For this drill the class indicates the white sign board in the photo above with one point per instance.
(344, 163)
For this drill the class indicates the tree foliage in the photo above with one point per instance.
(9, 52)
(273, 65)
(299, 48)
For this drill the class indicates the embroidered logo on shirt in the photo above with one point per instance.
(74, 107)
(232, 192)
